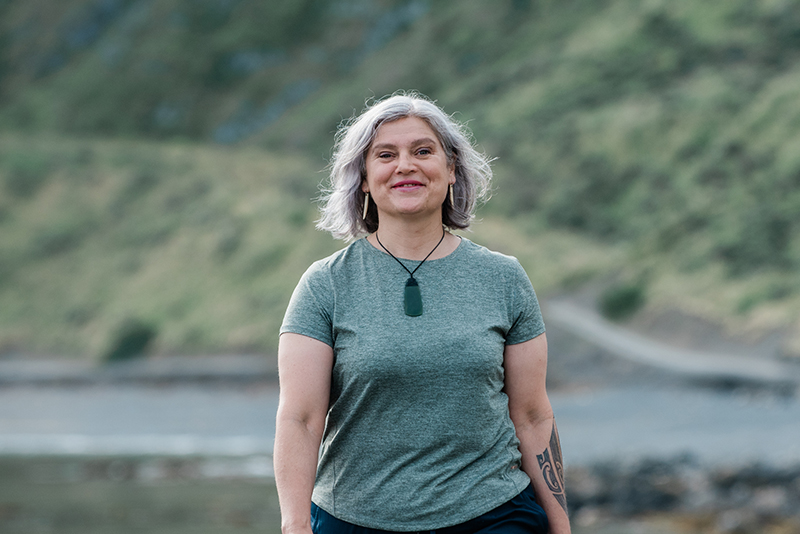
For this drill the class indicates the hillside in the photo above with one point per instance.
(198, 242)
(203, 244)
(664, 136)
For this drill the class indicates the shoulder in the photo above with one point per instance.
(317, 288)
(340, 262)
(492, 260)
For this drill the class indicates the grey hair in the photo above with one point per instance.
(342, 201)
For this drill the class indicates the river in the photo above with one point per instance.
(608, 409)
(595, 424)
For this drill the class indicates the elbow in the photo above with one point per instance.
(532, 418)
(303, 420)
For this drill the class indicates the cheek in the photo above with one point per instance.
(368, 178)
(377, 174)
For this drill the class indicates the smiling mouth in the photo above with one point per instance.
(406, 184)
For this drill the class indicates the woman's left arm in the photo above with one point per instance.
(525, 373)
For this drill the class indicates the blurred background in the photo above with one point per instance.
(158, 165)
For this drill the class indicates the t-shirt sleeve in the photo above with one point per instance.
(311, 307)
(526, 317)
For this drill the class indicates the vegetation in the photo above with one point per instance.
(659, 140)
(178, 248)
(202, 245)
(132, 341)
(621, 301)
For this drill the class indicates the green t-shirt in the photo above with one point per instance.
(418, 434)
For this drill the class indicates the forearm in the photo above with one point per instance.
(542, 462)
(295, 459)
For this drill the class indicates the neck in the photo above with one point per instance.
(413, 241)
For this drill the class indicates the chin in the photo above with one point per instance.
(408, 209)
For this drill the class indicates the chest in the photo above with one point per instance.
(459, 338)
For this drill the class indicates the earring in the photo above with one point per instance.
(366, 205)
(452, 202)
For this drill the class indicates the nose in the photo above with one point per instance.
(405, 163)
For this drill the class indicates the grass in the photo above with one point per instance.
(652, 140)
(204, 245)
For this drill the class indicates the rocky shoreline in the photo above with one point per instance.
(747, 499)
(676, 495)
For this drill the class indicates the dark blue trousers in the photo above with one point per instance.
(520, 515)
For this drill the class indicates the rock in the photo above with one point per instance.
(770, 501)
(739, 500)
(585, 486)
(741, 521)
(588, 516)
(700, 495)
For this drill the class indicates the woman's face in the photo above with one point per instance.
(407, 170)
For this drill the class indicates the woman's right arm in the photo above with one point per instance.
(304, 369)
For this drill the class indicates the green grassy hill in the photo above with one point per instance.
(653, 145)
(203, 244)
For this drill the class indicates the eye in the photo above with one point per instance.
(384, 155)
(424, 151)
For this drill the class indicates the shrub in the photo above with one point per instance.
(131, 340)
(621, 301)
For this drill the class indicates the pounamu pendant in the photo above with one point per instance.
(412, 301)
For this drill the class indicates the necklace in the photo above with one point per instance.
(412, 298)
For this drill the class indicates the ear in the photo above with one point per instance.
(364, 186)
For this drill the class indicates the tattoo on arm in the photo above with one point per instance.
(553, 468)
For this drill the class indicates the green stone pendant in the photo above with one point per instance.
(413, 299)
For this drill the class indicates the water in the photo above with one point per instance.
(136, 420)
(185, 458)
(191, 458)
(595, 424)
(717, 428)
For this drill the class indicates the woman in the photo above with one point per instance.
(412, 363)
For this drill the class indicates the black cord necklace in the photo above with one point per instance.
(412, 298)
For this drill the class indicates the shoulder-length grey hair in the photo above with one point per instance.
(342, 201)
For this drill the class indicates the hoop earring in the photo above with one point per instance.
(366, 205)
(452, 202)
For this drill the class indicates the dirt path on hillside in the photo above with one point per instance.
(584, 322)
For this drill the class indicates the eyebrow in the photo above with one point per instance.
(415, 143)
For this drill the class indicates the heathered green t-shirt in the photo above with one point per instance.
(418, 434)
